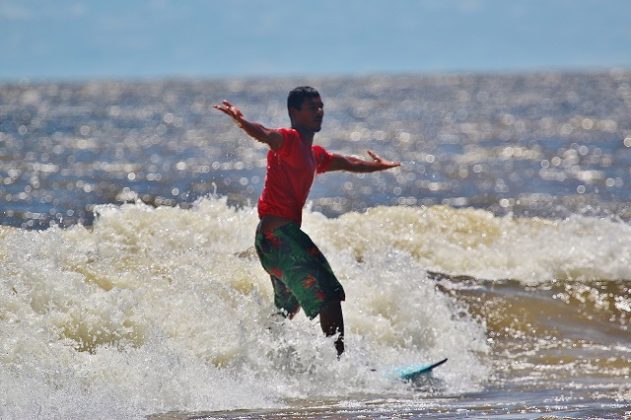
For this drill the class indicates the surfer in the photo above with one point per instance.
(300, 274)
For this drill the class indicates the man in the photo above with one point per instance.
(300, 274)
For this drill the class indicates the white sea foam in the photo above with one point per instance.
(476, 243)
(157, 309)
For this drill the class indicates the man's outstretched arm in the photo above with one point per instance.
(353, 164)
(257, 131)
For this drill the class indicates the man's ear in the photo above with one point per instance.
(292, 111)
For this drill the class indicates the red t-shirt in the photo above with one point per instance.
(290, 173)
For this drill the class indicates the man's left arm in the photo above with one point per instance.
(353, 164)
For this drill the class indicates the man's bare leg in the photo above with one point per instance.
(332, 323)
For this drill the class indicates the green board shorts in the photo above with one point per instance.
(301, 275)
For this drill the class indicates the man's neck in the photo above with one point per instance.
(306, 135)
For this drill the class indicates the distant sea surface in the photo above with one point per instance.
(541, 144)
(129, 286)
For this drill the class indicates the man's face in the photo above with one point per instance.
(310, 114)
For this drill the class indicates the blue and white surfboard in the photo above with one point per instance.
(410, 373)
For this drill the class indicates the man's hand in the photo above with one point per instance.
(353, 164)
(231, 111)
(382, 163)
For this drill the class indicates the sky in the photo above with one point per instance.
(136, 39)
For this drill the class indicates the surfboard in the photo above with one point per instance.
(410, 373)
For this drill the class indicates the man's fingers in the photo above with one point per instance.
(223, 109)
(377, 158)
(224, 106)
(381, 161)
(230, 110)
(227, 108)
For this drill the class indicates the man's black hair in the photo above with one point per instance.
(298, 95)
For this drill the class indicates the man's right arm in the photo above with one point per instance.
(257, 131)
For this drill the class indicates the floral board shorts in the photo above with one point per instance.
(300, 274)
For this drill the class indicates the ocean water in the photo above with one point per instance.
(129, 287)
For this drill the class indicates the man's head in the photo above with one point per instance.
(305, 108)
